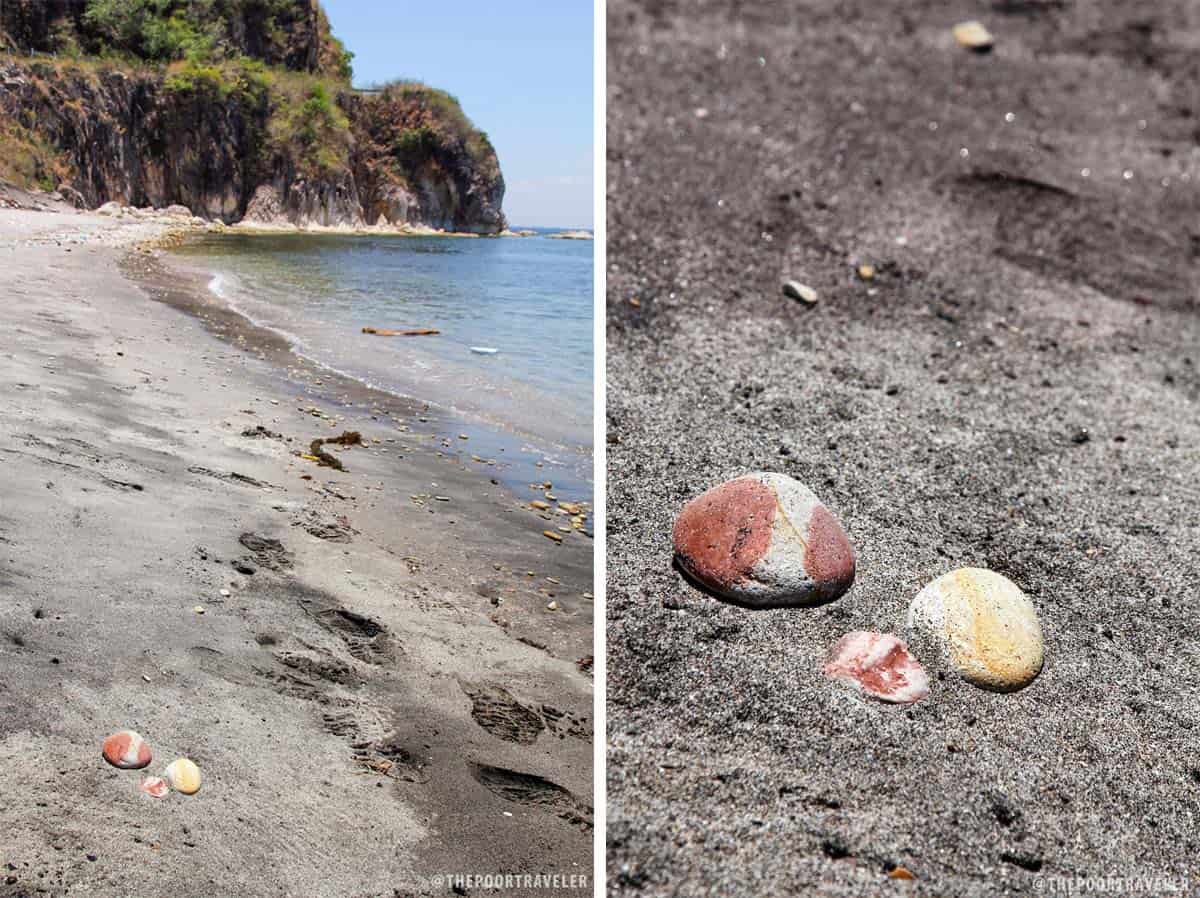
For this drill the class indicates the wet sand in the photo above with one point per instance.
(381, 698)
(1016, 388)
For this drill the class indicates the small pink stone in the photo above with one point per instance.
(126, 750)
(880, 665)
(155, 786)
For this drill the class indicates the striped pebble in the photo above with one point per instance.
(879, 665)
(155, 786)
(184, 776)
(126, 750)
(765, 541)
(987, 627)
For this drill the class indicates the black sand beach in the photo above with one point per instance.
(367, 675)
(1016, 388)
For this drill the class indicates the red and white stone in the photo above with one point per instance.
(766, 541)
(126, 750)
(155, 786)
(879, 665)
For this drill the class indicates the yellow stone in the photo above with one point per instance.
(550, 534)
(184, 776)
(987, 626)
(866, 272)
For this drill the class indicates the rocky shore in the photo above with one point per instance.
(363, 664)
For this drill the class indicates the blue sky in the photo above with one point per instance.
(522, 70)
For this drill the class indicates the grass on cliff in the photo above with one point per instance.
(304, 122)
(308, 126)
(27, 160)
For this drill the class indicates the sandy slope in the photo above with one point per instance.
(362, 719)
(1017, 388)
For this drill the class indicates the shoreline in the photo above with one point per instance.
(379, 694)
(522, 456)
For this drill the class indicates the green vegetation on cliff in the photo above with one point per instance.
(294, 34)
(309, 127)
(28, 159)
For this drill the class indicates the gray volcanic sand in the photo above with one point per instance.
(363, 715)
(1016, 389)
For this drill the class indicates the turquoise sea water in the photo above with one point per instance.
(514, 355)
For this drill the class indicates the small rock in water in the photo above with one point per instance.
(126, 750)
(184, 776)
(802, 292)
(552, 606)
(866, 272)
(987, 627)
(155, 786)
(226, 593)
(199, 609)
(550, 534)
(973, 36)
(880, 665)
(765, 541)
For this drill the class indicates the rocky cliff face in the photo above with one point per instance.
(117, 136)
(235, 138)
(415, 152)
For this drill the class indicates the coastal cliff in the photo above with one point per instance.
(237, 109)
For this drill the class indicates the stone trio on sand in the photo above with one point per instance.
(127, 750)
(765, 540)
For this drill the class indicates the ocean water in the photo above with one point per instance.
(513, 358)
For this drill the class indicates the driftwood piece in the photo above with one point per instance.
(384, 332)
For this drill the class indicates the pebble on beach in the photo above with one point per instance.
(973, 36)
(183, 775)
(802, 292)
(126, 750)
(987, 627)
(764, 540)
(155, 786)
(879, 665)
